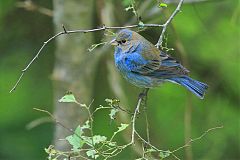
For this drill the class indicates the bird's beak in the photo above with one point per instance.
(113, 42)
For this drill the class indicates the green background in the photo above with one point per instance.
(209, 33)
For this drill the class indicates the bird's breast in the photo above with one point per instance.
(119, 58)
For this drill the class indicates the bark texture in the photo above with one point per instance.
(74, 66)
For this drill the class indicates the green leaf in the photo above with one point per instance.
(164, 154)
(109, 101)
(95, 46)
(78, 131)
(122, 127)
(86, 125)
(163, 5)
(112, 102)
(141, 24)
(113, 112)
(112, 144)
(92, 154)
(68, 98)
(151, 150)
(98, 139)
(88, 140)
(50, 150)
(75, 140)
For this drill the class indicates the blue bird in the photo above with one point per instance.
(145, 66)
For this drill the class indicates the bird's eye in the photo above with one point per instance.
(123, 41)
(119, 42)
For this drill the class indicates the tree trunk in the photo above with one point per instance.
(74, 66)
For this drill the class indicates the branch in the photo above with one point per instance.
(198, 138)
(103, 28)
(134, 117)
(140, 99)
(159, 43)
(56, 121)
(30, 6)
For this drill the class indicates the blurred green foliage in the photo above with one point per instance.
(22, 33)
(209, 32)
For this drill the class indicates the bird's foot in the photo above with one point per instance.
(142, 97)
(143, 94)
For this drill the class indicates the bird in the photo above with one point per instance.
(145, 66)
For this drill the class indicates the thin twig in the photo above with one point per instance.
(147, 126)
(79, 156)
(99, 108)
(198, 138)
(160, 40)
(56, 121)
(31, 6)
(137, 109)
(134, 117)
(146, 115)
(71, 32)
(152, 146)
(176, 157)
(89, 113)
(37, 122)
(159, 43)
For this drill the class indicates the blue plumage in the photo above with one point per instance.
(143, 65)
(196, 87)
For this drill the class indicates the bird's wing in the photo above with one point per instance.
(169, 68)
(163, 67)
(148, 60)
(143, 60)
(137, 64)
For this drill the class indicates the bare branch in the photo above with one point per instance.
(103, 28)
(71, 32)
(31, 6)
(134, 117)
(140, 99)
(159, 43)
(198, 138)
(37, 122)
(55, 120)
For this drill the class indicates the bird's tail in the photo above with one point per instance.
(196, 87)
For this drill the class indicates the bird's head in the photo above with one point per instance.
(123, 38)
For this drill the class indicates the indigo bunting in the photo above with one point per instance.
(145, 66)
